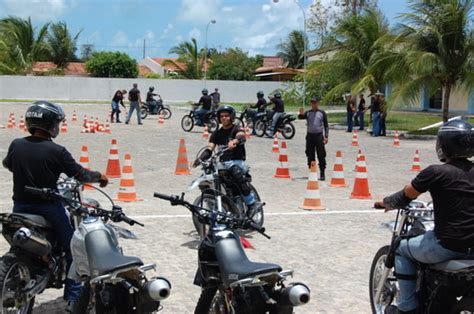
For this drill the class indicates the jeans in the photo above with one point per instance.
(375, 123)
(200, 113)
(115, 111)
(134, 105)
(250, 198)
(360, 118)
(426, 249)
(275, 118)
(56, 215)
(153, 106)
(350, 116)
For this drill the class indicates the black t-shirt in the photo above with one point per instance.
(222, 136)
(350, 106)
(279, 105)
(375, 106)
(260, 105)
(118, 98)
(361, 104)
(37, 162)
(149, 96)
(133, 94)
(205, 101)
(451, 186)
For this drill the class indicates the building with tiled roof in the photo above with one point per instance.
(274, 69)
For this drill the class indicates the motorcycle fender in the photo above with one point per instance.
(198, 278)
(195, 183)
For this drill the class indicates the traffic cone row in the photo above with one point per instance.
(283, 172)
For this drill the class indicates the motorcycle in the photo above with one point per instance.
(209, 119)
(217, 187)
(245, 118)
(165, 110)
(445, 287)
(284, 124)
(230, 282)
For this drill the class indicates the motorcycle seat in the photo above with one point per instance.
(234, 263)
(35, 220)
(454, 266)
(103, 255)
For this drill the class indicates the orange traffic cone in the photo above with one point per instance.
(247, 133)
(361, 183)
(205, 133)
(355, 139)
(11, 121)
(84, 161)
(74, 116)
(276, 146)
(396, 139)
(64, 126)
(161, 119)
(416, 162)
(337, 179)
(182, 161)
(127, 191)
(21, 126)
(312, 198)
(283, 171)
(113, 164)
(359, 153)
(107, 127)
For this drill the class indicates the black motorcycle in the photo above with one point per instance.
(209, 119)
(230, 282)
(441, 288)
(284, 124)
(164, 110)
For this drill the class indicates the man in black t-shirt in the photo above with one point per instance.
(135, 101)
(451, 186)
(359, 116)
(260, 106)
(350, 109)
(232, 137)
(205, 102)
(278, 110)
(37, 161)
(150, 101)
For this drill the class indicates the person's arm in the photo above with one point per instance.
(326, 127)
(302, 114)
(72, 169)
(121, 102)
(238, 140)
(399, 199)
(7, 161)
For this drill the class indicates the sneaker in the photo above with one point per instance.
(126, 122)
(70, 306)
(140, 123)
(118, 122)
(322, 178)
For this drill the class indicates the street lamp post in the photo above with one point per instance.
(304, 48)
(205, 56)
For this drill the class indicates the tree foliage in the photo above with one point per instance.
(292, 49)
(61, 45)
(191, 56)
(112, 64)
(233, 64)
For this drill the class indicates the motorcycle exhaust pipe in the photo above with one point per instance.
(158, 288)
(31, 242)
(295, 294)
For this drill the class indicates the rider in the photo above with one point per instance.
(451, 186)
(37, 161)
(278, 110)
(232, 137)
(205, 101)
(150, 101)
(260, 106)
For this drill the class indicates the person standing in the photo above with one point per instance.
(116, 100)
(359, 117)
(375, 109)
(316, 135)
(216, 98)
(350, 108)
(135, 101)
(383, 115)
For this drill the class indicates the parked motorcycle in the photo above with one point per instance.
(217, 187)
(284, 124)
(445, 287)
(230, 282)
(165, 110)
(209, 119)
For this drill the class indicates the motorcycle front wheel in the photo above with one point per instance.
(166, 112)
(258, 218)
(187, 123)
(390, 288)
(288, 130)
(14, 275)
(212, 125)
(260, 128)
(143, 112)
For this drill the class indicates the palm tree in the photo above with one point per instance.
(189, 54)
(292, 49)
(356, 39)
(61, 45)
(438, 50)
(21, 44)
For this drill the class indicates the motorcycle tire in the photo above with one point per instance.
(210, 301)
(288, 130)
(143, 113)
(10, 280)
(166, 112)
(212, 125)
(260, 128)
(187, 123)
(465, 305)
(239, 122)
(376, 269)
(83, 305)
(258, 218)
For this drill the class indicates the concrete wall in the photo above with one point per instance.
(88, 88)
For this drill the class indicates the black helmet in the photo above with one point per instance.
(204, 91)
(260, 94)
(455, 140)
(225, 108)
(277, 95)
(151, 88)
(45, 116)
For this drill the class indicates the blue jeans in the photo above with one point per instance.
(426, 249)
(248, 199)
(375, 123)
(134, 105)
(350, 116)
(56, 215)
(275, 118)
(360, 117)
(199, 113)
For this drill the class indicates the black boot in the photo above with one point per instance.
(321, 174)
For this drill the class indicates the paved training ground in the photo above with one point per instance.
(330, 250)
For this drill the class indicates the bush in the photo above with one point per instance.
(112, 64)
(153, 75)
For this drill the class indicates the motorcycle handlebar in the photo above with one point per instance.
(130, 221)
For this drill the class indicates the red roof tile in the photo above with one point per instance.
(170, 66)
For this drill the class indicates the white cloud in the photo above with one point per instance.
(120, 39)
(43, 10)
(266, 8)
(178, 39)
(195, 33)
(166, 31)
(227, 9)
(199, 11)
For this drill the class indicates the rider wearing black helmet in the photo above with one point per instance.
(206, 102)
(260, 106)
(451, 186)
(278, 111)
(37, 161)
(150, 101)
(232, 137)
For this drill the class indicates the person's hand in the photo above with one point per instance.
(103, 181)
(232, 144)
(301, 111)
(196, 163)
(382, 205)
(325, 140)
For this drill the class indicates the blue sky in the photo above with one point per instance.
(256, 26)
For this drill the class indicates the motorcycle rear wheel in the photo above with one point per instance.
(260, 128)
(14, 275)
(390, 288)
(187, 123)
(288, 130)
(166, 112)
(143, 112)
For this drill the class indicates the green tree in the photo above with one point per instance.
(233, 64)
(438, 51)
(292, 49)
(21, 45)
(193, 58)
(61, 45)
(112, 64)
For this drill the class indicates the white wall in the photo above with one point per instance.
(88, 88)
